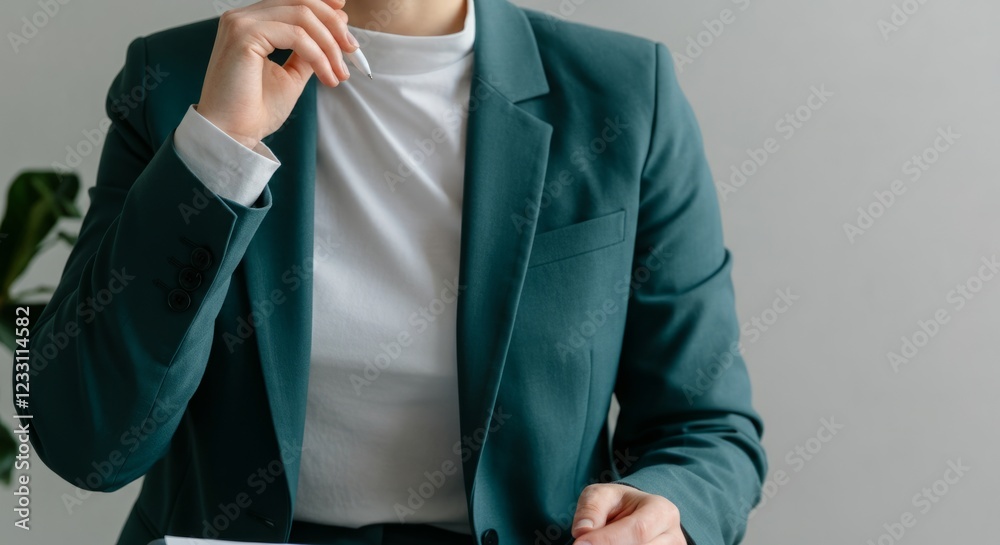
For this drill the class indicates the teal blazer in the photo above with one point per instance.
(176, 346)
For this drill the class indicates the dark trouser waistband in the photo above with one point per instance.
(376, 534)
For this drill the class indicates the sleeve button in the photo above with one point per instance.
(178, 300)
(201, 258)
(490, 537)
(189, 279)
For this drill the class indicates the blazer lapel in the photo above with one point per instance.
(506, 159)
(278, 266)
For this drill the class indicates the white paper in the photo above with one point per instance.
(175, 540)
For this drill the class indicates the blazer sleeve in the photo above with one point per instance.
(682, 384)
(123, 343)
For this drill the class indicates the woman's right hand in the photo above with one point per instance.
(247, 95)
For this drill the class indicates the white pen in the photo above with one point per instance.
(358, 60)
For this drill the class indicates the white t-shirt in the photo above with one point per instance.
(382, 416)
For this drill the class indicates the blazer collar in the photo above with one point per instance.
(506, 53)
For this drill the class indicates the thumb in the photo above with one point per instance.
(597, 503)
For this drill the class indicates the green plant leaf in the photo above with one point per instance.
(8, 449)
(69, 238)
(36, 201)
(7, 332)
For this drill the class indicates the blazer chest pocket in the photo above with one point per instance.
(578, 238)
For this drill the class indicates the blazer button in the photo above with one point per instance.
(201, 258)
(189, 279)
(178, 300)
(490, 537)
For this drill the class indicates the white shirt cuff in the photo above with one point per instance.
(226, 167)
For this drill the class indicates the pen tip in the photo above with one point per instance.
(370, 76)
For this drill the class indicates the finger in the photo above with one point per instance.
(285, 36)
(298, 67)
(328, 11)
(596, 504)
(335, 4)
(264, 36)
(304, 17)
(650, 519)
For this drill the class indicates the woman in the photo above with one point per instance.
(395, 309)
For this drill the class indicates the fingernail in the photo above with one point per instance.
(584, 523)
(353, 41)
(581, 543)
(343, 65)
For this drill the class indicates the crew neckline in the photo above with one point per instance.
(396, 54)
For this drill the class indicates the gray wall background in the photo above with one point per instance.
(823, 359)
